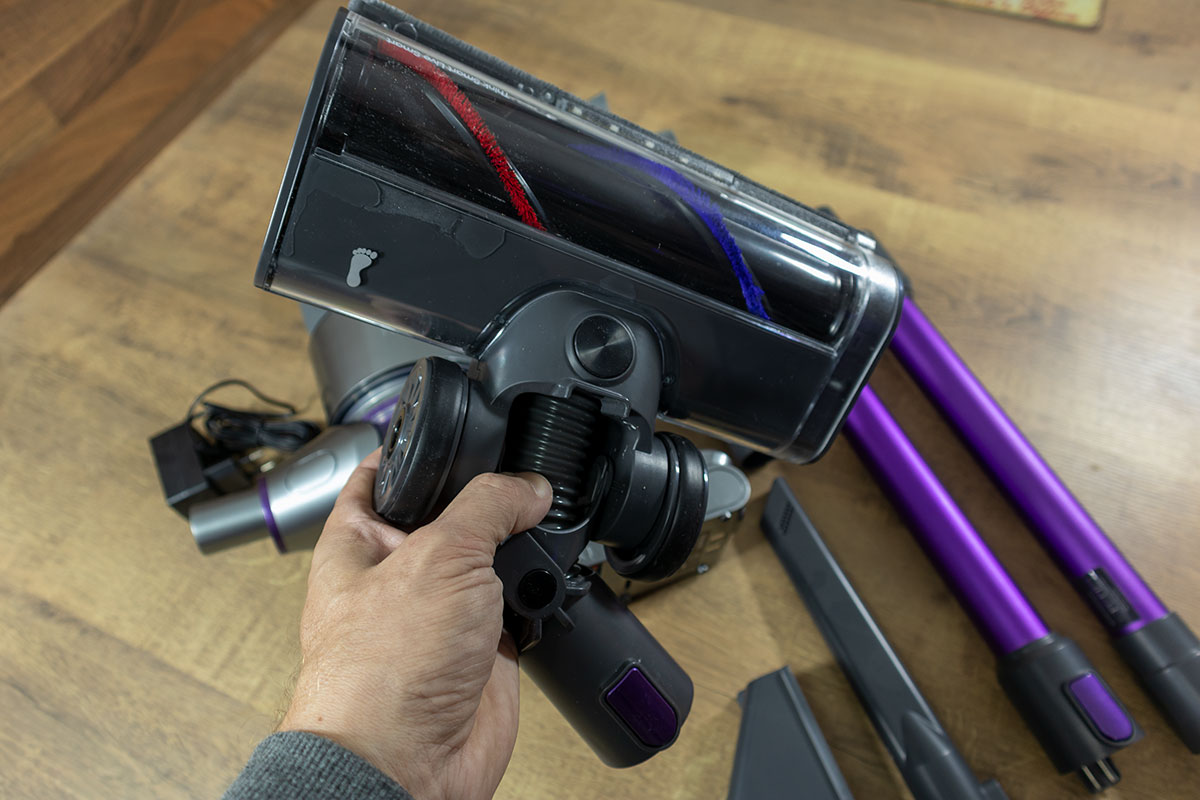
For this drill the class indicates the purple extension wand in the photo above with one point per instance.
(1073, 713)
(1159, 646)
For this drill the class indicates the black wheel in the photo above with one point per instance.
(421, 442)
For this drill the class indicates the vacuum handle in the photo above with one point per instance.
(608, 675)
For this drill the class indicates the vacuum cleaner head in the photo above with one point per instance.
(435, 190)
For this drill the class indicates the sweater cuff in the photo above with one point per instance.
(294, 765)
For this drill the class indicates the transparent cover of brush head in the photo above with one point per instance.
(496, 147)
(427, 195)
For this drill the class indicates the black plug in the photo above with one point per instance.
(186, 474)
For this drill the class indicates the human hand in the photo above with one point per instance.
(404, 662)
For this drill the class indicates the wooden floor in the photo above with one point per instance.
(1040, 185)
(90, 91)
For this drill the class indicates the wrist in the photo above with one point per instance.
(379, 750)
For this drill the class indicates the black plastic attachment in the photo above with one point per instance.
(608, 675)
(421, 441)
(188, 477)
(781, 751)
(680, 516)
(1165, 654)
(1069, 708)
(528, 402)
(728, 492)
(931, 765)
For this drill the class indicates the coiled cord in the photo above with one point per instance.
(235, 431)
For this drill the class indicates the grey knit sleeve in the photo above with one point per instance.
(303, 766)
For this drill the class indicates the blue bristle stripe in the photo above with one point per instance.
(700, 203)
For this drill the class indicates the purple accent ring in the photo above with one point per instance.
(986, 590)
(380, 414)
(1066, 530)
(268, 517)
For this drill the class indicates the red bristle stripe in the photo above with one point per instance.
(479, 129)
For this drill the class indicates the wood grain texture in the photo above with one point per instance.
(1040, 185)
(90, 91)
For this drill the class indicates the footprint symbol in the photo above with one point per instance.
(360, 259)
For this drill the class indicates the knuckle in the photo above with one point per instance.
(451, 542)
(423, 552)
(493, 587)
(498, 492)
(490, 483)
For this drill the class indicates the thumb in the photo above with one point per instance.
(355, 536)
(491, 508)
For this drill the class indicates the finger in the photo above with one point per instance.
(359, 492)
(492, 507)
(355, 537)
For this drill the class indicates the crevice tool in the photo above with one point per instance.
(931, 765)
(780, 749)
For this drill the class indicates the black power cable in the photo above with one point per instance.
(233, 431)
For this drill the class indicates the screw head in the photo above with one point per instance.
(604, 346)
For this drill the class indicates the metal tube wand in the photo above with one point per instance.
(1159, 646)
(1001, 612)
(1062, 698)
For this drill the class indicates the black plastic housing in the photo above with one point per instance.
(187, 477)
(781, 751)
(586, 649)
(1079, 737)
(531, 402)
(1165, 654)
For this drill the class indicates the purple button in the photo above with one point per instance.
(1101, 707)
(643, 709)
